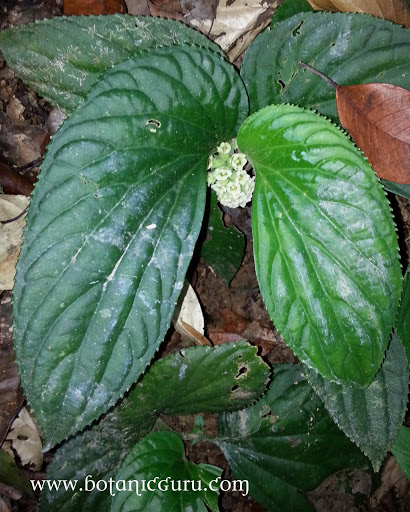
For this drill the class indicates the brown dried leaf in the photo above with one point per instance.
(166, 9)
(89, 7)
(21, 144)
(237, 23)
(24, 438)
(10, 391)
(377, 117)
(137, 7)
(10, 235)
(13, 182)
(188, 318)
(392, 478)
(393, 10)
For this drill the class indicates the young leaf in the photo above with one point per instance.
(393, 10)
(62, 58)
(350, 48)
(401, 451)
(111, 229)
(227, 262)
(370, 417)
(286, 443)
(378, 119)
(161, 456)
(178, 384)
(325, 245)
(403, 317)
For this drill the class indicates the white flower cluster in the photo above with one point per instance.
(232, 184)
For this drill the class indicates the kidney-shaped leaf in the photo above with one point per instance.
(349, 48)
(111, 229)
(176, 484)
(63, 57)
(286, 443)
(198, 379)
(370, 417)
(325, 244)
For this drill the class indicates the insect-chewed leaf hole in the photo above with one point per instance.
(242, 370)
(154, 122)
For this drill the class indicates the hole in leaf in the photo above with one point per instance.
(154, 122)
(282, 84)
(234, 388)
(243, 370)
(297, 30)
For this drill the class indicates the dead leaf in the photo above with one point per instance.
(137, 7)
(3, 506)
(24, 439)
(393, 10)
(377, 117)
(234, 327)
(236, 23)
(89, 7)
(11, 394)
(392, 478)
(188, 318)
(22, 144)
(166, 9)
(13, 182)
(10, 235)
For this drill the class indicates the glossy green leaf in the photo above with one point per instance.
(325, 245)
(403, 318)
(11, 475)
(285, 444)
(401, 451)
(111, 229)
(62, 58)
(197, 379)
(397, 188)
(348, 48)
(370, 417)
(161, 456)
(225, 247)
(289, 8)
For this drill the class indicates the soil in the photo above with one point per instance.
(231, 313)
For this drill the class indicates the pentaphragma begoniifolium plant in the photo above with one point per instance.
(155, 112)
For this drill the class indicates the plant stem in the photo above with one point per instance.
(329, 80)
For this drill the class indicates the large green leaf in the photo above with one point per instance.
(349, 48)
(225, 262)
(179, 384)
(111, 229)
(325, 244)
(370, 417)
(176, 484)
(62, 58)
(403, 318)
(401, 451)
(286, 443)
